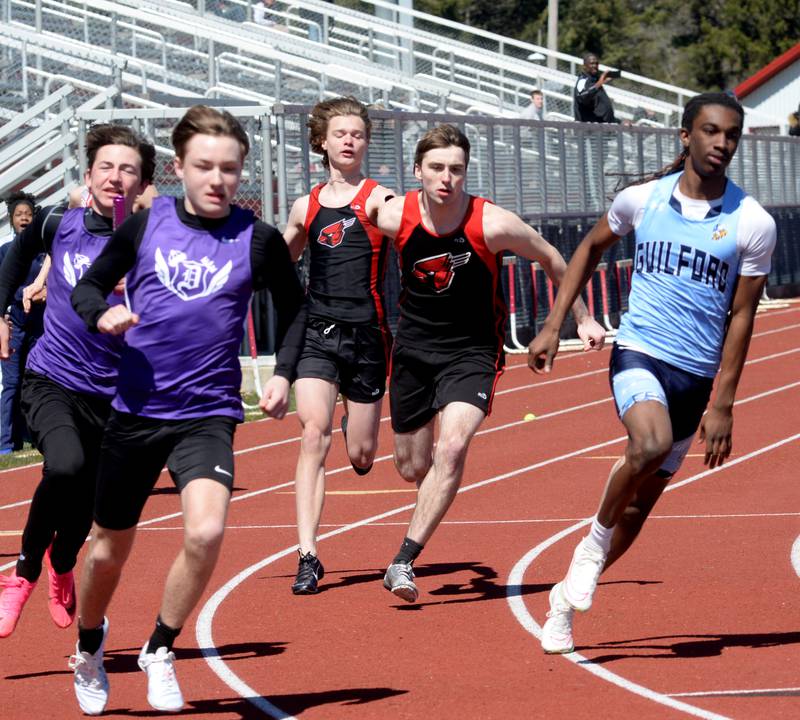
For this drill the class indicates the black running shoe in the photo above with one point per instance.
(309, 573)
(358, 470)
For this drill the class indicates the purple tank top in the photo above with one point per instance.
(191, 289)
(68, 352)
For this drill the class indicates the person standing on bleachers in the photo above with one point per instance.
(534, 111)
(591, 101)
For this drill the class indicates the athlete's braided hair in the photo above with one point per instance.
(321, 114)
(690, 113)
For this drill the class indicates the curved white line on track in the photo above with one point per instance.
(203, 633)
(523, 616)
(203, 628)
(796, 556)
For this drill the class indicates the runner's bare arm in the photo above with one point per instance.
(295, 233)
(390, 215)
(504, 230)
(379, 196)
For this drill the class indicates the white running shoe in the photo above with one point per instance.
(163, 691)
(557, 630)
(581, 580)
(91, 681)
(399, 580)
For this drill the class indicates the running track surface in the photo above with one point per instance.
(700, 619)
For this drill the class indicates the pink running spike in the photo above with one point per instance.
(60, 594)
(16, 591)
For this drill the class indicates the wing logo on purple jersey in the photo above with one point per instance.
(438, 271)
(333, 235)
(75, 267)
(190, 279)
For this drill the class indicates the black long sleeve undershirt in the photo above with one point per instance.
(38, 238)
(270, 265)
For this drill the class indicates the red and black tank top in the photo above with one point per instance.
(451, 296)
(347, 260)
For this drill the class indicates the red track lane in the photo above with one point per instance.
(705, 602)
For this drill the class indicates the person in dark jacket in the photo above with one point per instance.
(592, 104)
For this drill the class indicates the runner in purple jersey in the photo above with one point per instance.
(71, 373)
(191, 265)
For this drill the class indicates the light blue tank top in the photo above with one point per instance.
(685, 272)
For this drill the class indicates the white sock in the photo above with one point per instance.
(600, 536)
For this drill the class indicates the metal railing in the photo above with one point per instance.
(559, 177)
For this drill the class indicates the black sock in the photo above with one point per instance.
(163, 636)
(28, 569)
(409, 551)
(89, 639)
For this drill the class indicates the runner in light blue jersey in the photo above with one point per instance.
(703, 251)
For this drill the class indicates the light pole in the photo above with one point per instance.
(552, 31)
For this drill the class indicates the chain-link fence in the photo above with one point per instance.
(559, 177)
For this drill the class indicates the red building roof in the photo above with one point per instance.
(768, 72)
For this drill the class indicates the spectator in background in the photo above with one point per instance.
(262, 12)
(647, 114)
(592, 104)
(794, 123)
(534, 111)
(26, 329)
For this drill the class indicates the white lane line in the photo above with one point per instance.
(543, 383)
(740, 693)
(795, 556)
(203, 629)
(520, 611)
(530, 521)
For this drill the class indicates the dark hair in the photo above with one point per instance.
(536, 91)
(442, 136)
(102, 135)
(321, 115)
(690, 113)
(19, 197)
(204, 120)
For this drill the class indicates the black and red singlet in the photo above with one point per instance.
(348, 260)
(451, 296)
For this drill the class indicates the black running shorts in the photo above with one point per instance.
(352, 356)
(135, 450)
(47, 405)
(423, 382)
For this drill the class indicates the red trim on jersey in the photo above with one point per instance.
(408, 220)
(378, 261)
(473, 229)
(313, 206)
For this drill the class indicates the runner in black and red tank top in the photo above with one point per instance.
(347, 340)
(448, 354)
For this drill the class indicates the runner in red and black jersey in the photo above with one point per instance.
(448, 354)
(347, 340)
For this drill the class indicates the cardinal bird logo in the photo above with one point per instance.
(438, 270)
(332, 235)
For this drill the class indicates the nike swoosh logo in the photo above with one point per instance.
(218, 469)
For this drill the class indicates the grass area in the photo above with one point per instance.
(29, 455)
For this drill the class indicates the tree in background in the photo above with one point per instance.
(699, 44)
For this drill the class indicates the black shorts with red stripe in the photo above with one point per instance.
(424, 381)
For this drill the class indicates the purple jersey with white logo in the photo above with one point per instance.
(191, 289)
(68, 352)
